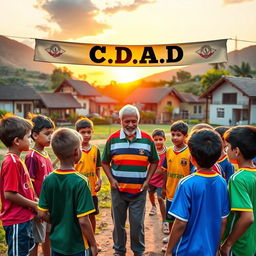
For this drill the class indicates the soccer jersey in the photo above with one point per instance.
(227, 169)
(157, 178)
(177, 165)
(39, 166)
(66, 195)
(201, 200)
(130, 159)
(14, 177)
(242, 192)
(87, 165)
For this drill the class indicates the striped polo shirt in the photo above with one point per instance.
(129, 160)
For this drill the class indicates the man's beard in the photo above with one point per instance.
(129, 133)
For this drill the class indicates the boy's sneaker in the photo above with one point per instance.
(153, 211)
(165, 228)
(166, 239)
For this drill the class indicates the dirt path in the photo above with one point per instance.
(153, 233)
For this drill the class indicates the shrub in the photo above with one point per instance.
(3, 112)
(97, 120)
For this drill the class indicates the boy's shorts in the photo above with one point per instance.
(86, 252)
(152, 189)
(169, 217)
(19, 238)
(96, 205)
(39, 230)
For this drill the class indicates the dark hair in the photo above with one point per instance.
(179, 126)
(40, 122)
(221, 130)
(201, 126)
(158, 132)
(64, 142)
(205, 146)
(83, 122)
(243, 137)
(12, 127)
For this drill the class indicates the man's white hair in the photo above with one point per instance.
(129, 110)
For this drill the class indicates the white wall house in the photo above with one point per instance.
(231, 101)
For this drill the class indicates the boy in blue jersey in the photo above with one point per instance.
(201, 203)
(227, 169)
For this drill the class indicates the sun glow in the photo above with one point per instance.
(126, 74)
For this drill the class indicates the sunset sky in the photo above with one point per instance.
(128, 22)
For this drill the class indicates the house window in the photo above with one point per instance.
(195, 109)
(229, 98)
(169, 103)
(200, 109)
(84, 105)
(18, 108)
(220, 112)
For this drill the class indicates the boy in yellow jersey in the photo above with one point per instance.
(177, 165)
(90, 162)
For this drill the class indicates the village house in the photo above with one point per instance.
(19, 100)
(59, 106)
(192, 107)
(231, 101)
(163, 101)
(83, 92)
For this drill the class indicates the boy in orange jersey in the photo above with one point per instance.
(177, 165)
(17, 194)
(39, 166)
(90, 162)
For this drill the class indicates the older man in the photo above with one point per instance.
(129, 161)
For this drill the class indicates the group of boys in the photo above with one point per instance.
(198, 200)
(34, 202)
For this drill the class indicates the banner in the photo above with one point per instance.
(131, 55)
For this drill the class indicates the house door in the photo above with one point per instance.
(240, 116)
(22, 109)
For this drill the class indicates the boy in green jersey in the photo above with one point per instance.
(240, 235)
(66, 200)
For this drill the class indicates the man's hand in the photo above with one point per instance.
(144, 185)
(114, 184)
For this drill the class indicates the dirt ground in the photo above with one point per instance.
(153, 233)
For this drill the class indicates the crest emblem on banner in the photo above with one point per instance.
(55, 50)
(141, 151)
(206, 51)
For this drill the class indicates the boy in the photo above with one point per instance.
(66, 200)
(89, 163)
(39, 166)
(200, 205)
(177, 165)
(156, 182)
(17, 194)
(227, 168)
(240, 235)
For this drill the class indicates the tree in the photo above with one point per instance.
(183, 75)
(218, 66)
(59, 75)
(243, 71)
(211, 76)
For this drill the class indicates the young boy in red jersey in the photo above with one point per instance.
(39, 166)
(156, 182)
(240, 235)
(66, 200)
(17, 194)
(89, 163)
(177, 165)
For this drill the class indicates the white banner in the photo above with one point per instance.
(131, 55)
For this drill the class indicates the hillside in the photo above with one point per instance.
(247, 54)
(18, 55)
